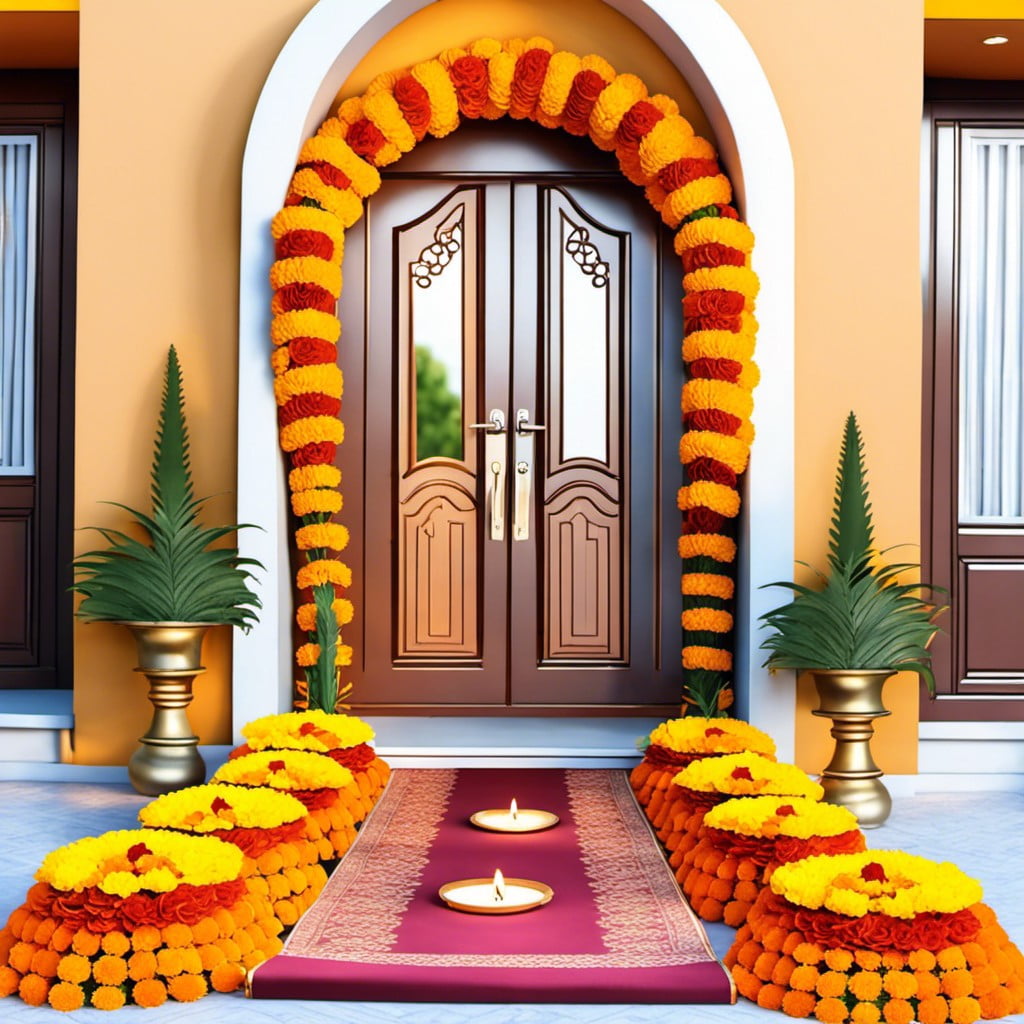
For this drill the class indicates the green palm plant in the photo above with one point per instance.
(861, 616)
(178, 576)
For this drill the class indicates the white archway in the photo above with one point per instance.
(713, 55)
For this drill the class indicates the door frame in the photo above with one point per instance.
(711, 52)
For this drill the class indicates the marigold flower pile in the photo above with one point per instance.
(281, 862)
(681, 741)
(327, 790)
(712, 780)
(344, 738)
(743, 840)
(135, 916)
(337, 171)
(876, 936)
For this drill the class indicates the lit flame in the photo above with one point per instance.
(499, 886)
(514, 809)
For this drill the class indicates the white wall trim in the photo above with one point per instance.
(711, 52)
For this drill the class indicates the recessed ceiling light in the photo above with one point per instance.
(995, 40)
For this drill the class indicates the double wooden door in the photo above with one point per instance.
(514, 548)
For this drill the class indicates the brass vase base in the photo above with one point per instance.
(853, 700)
(162, 766)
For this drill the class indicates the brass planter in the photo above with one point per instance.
(170, 655)
(853, 700)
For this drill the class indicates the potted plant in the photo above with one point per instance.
(168, 590)
(856, 628)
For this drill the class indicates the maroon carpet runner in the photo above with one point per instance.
(616, 931)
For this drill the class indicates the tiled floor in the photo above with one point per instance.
(982, 832)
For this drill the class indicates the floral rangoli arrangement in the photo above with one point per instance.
(743, 840)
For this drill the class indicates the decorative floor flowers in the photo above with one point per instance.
(876, 936)
(337, 171)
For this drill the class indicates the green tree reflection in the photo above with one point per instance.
(438, 410)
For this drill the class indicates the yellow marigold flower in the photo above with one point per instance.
(748, 774)
(279, 360)
(664, 144)
(711, 620)
(730, 451)
(305, 478)
(305, 614)
(562, 69)
(311, 429)
(733, 279)
(485, 47)
(595, 62)
(284, 770)
(102, 861)
(665, 104)
(725, 230)
(539, 43)
(611, 106)
(336, 151)
(304, 323)
(444, 105)
(384, 82)
(801, 818)
(717, 394)
(448, 57)
(307, 730)
(696, 735)
(381, 108)
(707, 584)
(321, 535)
(750, 376)
(323, 378)
(309, 218)
(717, 497)
(324, 570)
(710, 545)
(342, 202)
(694, 195)
(307, 270)
(305, 503)
(888, 882)
(718, 345)
(216, 806)
(746, 431)
(711, 658)
(500, 70)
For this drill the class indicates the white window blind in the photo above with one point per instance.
(991, 320)
(18, 188)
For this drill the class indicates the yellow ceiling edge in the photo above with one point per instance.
(974, 10)
(39, 5)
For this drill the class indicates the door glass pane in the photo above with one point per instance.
(437, 304)
(991, 327)
(17, 303)
(584, 345)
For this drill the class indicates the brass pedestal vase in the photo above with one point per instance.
(170, 658)
(852, 699)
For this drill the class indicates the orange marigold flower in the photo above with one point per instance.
(146, 938)
(951, 958)
(921, 960)
(85, 942)
(65, 996)
(74, 968)
(838, 959)
(150, 992)
(205, 930)
(927, 984)
(176, 934)
(711, 658)
(9, 979)
(187, 988)
(900, 984)
(964, 1010)
(865, 1013)
(808, 953)
(934, 1010)
(830, 1011)
(108, 997)
(957, 982)
(227, 977)
(892, 960)
(142, 965)
(110, 970)
(33, 989)
(831, 983)
(769, 997)
(995, 1004)
(898, 1011)
(45, 963)
(984, 976)
(866, 985)
(798, 1004)
(804, 978)
(168, 962)
(868, 959)
(116, 943)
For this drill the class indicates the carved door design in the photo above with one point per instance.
(515, 544)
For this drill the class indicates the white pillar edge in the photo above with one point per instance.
(711, 52)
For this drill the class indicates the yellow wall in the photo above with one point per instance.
(165, 110)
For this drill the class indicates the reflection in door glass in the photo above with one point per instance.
(584, 346)
(436, 286)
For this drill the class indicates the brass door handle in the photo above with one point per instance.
(524, 460)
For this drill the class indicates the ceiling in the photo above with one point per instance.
(953, 48)
(39, 39)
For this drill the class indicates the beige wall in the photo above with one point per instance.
(165, 110)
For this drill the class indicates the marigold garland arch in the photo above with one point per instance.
(656, 148)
